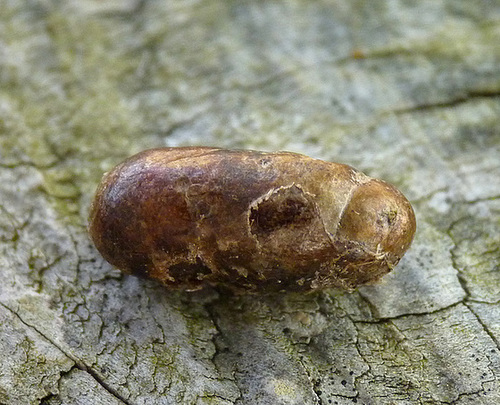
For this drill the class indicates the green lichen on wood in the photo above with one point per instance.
(406, 91)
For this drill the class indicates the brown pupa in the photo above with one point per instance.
(248, 220)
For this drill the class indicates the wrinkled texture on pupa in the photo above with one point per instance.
(248, 220)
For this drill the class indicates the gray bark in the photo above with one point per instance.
(405, 91)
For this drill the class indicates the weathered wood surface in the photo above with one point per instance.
(405, 91)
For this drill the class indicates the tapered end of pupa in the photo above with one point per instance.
(379, 216)
(381, 222)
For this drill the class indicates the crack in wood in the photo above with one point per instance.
(78, 362)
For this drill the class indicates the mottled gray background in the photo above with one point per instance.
(408, 91)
